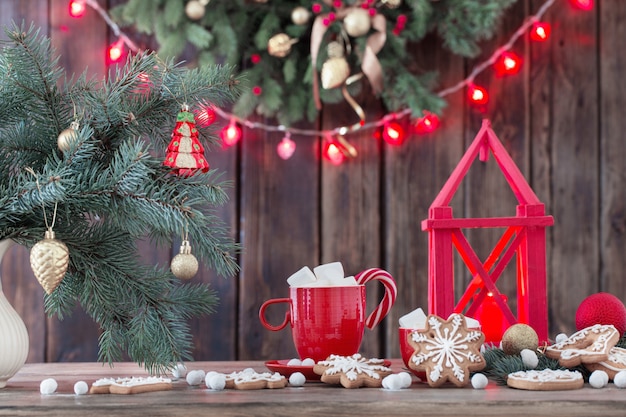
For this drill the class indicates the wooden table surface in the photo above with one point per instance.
(21, 397)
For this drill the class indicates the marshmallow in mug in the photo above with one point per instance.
(327, 275)
(416, 319)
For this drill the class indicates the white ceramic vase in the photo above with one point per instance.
(13, 334)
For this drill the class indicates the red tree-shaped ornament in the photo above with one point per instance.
(185, 153)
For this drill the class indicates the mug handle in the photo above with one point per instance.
(266, 304)
(391, 291)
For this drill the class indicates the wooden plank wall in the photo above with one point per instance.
(560, 119)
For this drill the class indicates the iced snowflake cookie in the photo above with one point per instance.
(352, 371)
(589, 345)
(615, 363)
(546, 380)
(250, 379)
(446, 350)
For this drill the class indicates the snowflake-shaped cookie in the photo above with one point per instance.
(446, 350)
(352, 371)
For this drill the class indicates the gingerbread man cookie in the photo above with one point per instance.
(250, 379)
(616, 362)
(446, 350)
(352, 371)
(589, 345)
(545, 380)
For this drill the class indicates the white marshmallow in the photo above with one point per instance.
(294, 362)
(392, 382)
(406, 379)
(529, 358)
(308, 362)
(81, 388)
(620, 379)
(416, 319)
(48, 386)
(302, 278)
(349, 282)
(179, 371)
(331, 272)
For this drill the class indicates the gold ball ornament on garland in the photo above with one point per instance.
(357, 22)
(184, 265)
(518, 337)
(335, 70)
(49, 259)
(392, 4)
(68, 136)
(195, 9)
(300, 16)
(279, 45)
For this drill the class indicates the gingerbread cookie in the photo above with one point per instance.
(546, 380)
(352, 371)
(615, 363)
(138, 385)
(250, 379)
(589, 345)
(101, 386)
(446, 350)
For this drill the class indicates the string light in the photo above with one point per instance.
(116, 51)
(508, 63)
(77, 8)
(286, 147)
(393, 133)
(231, 134)
(583, 4)
(477, 95)
(540, 31)
(333, 153)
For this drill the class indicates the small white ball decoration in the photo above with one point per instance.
(308, 362)
(300, 15)
(81, 388)
(479, 381)
(48, 386)
(561, 337)
(195, 10)
(216, 381)
(620, 379)
(297, 379)
(405, 379)
(179, 371)
(530, 358)
(195, 377)
(392, 382)
(598, 379)
(294, 362)
(358, 22)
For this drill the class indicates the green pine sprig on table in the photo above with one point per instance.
(234, 31)
(110, 189)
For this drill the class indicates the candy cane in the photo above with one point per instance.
(391, 291)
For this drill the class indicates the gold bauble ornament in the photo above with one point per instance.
(184, 265)
(335, 71)
(357, 22)
(279, 45)
(518, 337)
(49, 259)
(300, 15)
(195, 9)
(68, 136)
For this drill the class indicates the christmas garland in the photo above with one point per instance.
(296, 56)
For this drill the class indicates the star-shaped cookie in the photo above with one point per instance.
(352, 371)
(446, 350)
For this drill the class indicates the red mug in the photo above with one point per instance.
(331, 320)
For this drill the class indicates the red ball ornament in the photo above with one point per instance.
(601, 308)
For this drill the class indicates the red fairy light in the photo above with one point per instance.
(77, 8)
(116, 51)
(286, 147)
(508, 63)
(427, 124)
(231, 134)
(333, 153)
(540, 31)
(478, 95)
(393, 133)
(583, 4)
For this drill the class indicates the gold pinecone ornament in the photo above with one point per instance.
(335, 70)
(49, 259)
(184, 265)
